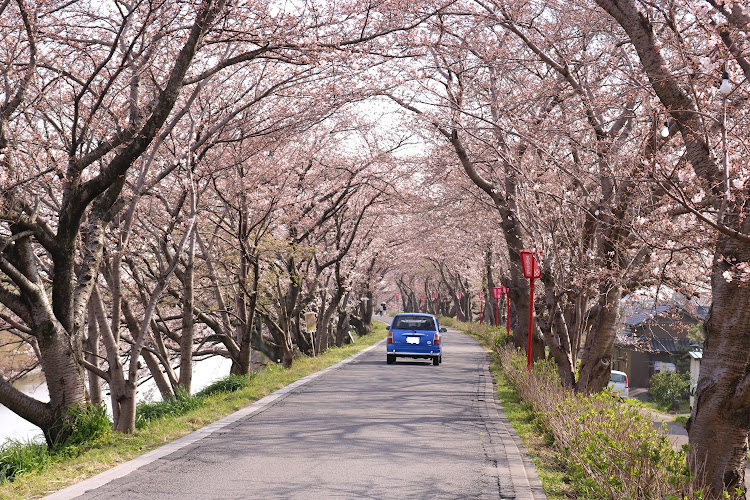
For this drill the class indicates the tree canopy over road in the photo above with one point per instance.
(187, 179)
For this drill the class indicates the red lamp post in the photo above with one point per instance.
(481, 307)
(434, 298)
(497, 292)
(531, 270)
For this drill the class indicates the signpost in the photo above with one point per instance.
(532, 271)
(311, 321)
(421, 303)
(458, 306)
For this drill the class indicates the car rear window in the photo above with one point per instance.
(617, 377)
(413, 323)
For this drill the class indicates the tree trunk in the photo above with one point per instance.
(558, 336)
(718, 426)
(67, 388)
(92, 355)
(124, 399)
(188, 321)
(489, 299)
(596, 362)
(720, 420)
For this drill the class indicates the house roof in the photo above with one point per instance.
(635, 316)
(670, 345)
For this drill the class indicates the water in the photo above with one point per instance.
(14, 427)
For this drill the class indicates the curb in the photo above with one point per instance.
(517, 476)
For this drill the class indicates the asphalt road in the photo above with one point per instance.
(363, 430)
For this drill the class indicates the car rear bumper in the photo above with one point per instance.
(413, 353)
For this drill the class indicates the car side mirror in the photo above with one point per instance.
(443, 329)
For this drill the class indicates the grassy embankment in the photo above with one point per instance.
(80, 462)
(591, 447)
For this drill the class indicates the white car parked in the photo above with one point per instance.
(618, 383)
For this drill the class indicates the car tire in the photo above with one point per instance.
(436, 360)
(390, 358)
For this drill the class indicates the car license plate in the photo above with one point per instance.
(412, 340)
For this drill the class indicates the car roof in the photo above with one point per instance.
(419, 315)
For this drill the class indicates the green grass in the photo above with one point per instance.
(538, 444)
(21, 457)
(113, 449)
(179, 404)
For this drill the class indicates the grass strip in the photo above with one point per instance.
(114, 448)
(538, 444)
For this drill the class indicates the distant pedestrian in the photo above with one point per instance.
(382, 306)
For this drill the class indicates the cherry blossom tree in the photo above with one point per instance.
(686, 87)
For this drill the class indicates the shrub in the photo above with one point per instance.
(87, 422)
(231, 383)
(667, 387)
(609, 449)
(493, 336)
(179, 404)
(17, 457)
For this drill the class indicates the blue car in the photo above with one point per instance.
(414, 335)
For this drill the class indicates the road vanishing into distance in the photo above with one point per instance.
(361, 429)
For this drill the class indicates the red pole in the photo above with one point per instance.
(531, 322)
(507, 314)
(497, 310)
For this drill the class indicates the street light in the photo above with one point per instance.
(726, 86)
(497, 292)
(665, 130)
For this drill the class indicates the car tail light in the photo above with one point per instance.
(436, 339)
(390, 337)
(626, 382)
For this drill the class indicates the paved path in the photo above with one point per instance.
(678, 436)
(362, 429)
